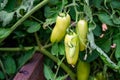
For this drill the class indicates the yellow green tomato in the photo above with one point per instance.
(71, 47)
(83, 70)
(100, 76)
(82, 30)
(62, 23)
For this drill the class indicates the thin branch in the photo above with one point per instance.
(47, 53)
(44, 2)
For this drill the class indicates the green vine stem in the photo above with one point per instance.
(44, 2)
(19, 49)
(23, 49)
(47, 53)
(102, 54)
(75, 8)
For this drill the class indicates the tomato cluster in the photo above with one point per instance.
(74, 41)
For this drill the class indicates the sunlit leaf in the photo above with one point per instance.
(88, 12)
(6, 17)
(62, 77)
(4, 32)
(32, 26)
(49, 21)
(3, 3)
(49, 75)
(26, 5)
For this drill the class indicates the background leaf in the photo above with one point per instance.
(117, 42)
(24, 58)
(2, 75)
(9, 64)
(90, 57)
(55, 49)
(106, 45)
(49, 75)
(115, 4)
(32, 26)
(105, 18)
(61, 49)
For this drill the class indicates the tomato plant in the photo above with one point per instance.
(27, 26)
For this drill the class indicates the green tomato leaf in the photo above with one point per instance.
(2, 77)
(115, 4)
(55, 49)
(106, 45)
(102, 54)
(6, 17)
(49, 75)
(88, 12)
(97, 31)
(72, 13)
(105, 18)
(115, 19)
(9, 64)
(26, 5)
(117, 52)
(49, 21)
(62, 77)
(90, 57)
(3, 3)
(4, 32)
(32, 26)
(92, 25)
(61, 49)
(10, 8)
(27, 56)
(96, 3)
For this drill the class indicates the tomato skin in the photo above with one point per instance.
(62, 23)
(83, 70)
(100, 76)
(82, 30)
(71, 48)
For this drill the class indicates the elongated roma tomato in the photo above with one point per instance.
(83, 70)
(82, 30)
(71, 47)
(62, 23)
(100, 76)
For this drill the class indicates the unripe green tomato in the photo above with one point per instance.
(71, 47)
(82, 30)
(100, 76)
(83, 70)
(62, 23)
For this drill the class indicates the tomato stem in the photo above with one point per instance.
(47, 53)
(44, 2)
